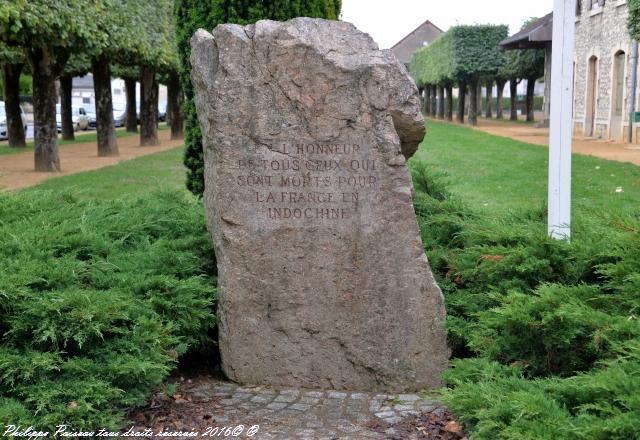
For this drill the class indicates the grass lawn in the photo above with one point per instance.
(137, 176)
(90, 136)
(497, 174)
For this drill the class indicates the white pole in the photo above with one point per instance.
(561, 119)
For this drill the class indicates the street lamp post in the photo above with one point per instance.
(561, 120)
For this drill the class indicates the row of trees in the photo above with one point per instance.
(468, 58)
(194, 14)
(56, 40)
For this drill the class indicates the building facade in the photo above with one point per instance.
(416, 39)
(602, 85)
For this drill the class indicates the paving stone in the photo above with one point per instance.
(290, 392)
(300, 406)
(277, 405)
(261, 398)
(408, 397)
(285, 398)
(310, 414)
(385, 414)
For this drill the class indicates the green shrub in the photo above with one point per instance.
(545, 333)
(98, 299)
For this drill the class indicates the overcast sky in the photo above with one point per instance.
(388, 21)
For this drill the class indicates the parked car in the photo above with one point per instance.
(79, 118)
(91, 114)
(3, 121)
(119, 115)
(162, 111)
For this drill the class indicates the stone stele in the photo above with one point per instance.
(307, 127)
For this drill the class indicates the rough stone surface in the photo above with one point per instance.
(323, 279)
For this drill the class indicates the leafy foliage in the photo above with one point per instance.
(97, 301)
(634, 18)
(462, 53)
(192, 15)
(545, 334)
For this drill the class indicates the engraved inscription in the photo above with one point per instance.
(306, 180)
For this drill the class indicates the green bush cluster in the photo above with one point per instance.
(545, 334)
(463, 53)
(98, 299)
(194, 14)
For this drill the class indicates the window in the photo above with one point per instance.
(86, 100)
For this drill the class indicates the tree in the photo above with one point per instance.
(157, 54)
(48, 31)
(77, 65)
(12, 64)
(463, 55)
(194, 14)
(634, 18)
(130, 75)
(523, 64)
(174, 106)
(124, 22)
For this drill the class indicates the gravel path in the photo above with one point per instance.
(540, 136)
(16, 170)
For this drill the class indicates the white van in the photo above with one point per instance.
(78, 117)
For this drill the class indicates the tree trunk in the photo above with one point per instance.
(513, 88)
(148, 107)
(440, 102)
(449, 103)
(131, 118)
(479, 109)
(489, 112)
(107, 143)
(462, 94)
(66, 84)
(434, 101)
(473, 105)
(500, 99)
(531, 88)
(46, 154)
(427, 100)
(168, 110)
(11, 91)
(174, 106)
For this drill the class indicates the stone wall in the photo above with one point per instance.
(601, 32)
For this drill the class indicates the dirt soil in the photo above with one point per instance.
(16, 170)
(540, 136)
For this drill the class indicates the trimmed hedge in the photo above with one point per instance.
(545, 334)
(194, 14)
(462, 53)
(97, 302)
